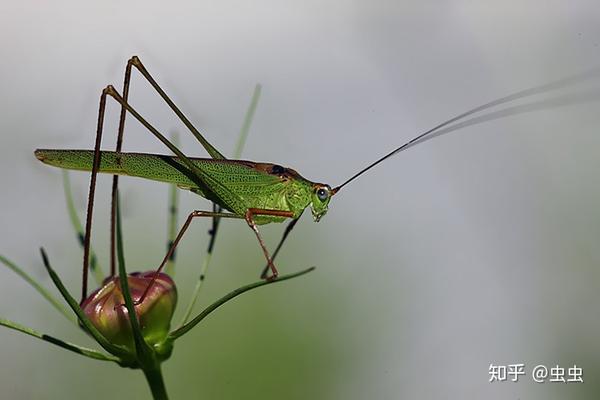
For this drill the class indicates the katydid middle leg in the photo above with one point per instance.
(182, 230)
(249, 217)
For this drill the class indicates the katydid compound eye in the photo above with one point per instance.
(277, 169)
(322, 194)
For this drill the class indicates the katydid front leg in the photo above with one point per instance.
(287, 231)
(250, 213)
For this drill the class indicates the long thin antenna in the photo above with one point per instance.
(515, 96)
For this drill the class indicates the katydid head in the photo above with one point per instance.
(320, 200)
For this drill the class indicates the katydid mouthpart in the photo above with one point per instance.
(259, 193)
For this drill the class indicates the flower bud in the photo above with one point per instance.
(106, 308)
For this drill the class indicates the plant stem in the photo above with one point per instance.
(145, 354)
(155, 381)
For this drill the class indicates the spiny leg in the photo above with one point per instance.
(216, 208)
(249, 216)
(91, 194)
(95, 267)
(212, 233)
(112, 92)
(287, 231)
(182, 230)
(115, 182)
(137, 63)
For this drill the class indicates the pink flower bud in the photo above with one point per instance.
(106, 308)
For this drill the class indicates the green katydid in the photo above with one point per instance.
(260, 193)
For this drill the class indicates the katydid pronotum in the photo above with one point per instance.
(259, 193)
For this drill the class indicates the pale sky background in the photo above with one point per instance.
(478, 247)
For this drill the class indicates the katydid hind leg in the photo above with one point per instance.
(137, 63)
(200, 177)
(91, 194)
(115, 182)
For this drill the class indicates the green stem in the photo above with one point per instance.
(155, 380)
(140, 345)
(247, 122)
(196, 293)
(146, 357)
(230, 296)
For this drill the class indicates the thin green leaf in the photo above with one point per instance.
(196, 292)
(40, 289)
(76, 223)
(65, 345)
(231, 295)
(247, 122)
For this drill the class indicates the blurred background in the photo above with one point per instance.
(479, 247)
